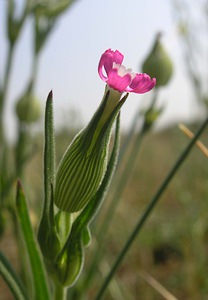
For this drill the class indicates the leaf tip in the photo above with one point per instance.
(20, 191)
(50, 95)
(19, 184)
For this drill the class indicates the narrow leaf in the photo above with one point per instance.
(49, 153)
(12, 279)
(47, 234)
(38, 272)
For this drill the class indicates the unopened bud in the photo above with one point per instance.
(158, 63)
(69, 262)
(28, 109)
(83, 166)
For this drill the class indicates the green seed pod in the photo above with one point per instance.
(28, 109)
(158, 63)
(83, 166)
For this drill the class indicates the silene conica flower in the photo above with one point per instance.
(84, 163)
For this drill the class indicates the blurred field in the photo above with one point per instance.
(173, 246)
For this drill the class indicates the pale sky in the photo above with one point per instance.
(68, 63)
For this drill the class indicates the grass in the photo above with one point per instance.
(173, 246)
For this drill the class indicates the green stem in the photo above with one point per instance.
(60, 292)
(149, 209)
(34, 71)
(8, 69)
(5, 90)
(3, 143)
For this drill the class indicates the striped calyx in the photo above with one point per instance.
(84, 163)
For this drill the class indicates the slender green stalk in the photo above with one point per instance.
(149, 209)
(3, 142)
(34, 71)
(3, 94)
(60, 292)
(7, 71)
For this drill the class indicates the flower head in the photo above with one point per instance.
(119, 78)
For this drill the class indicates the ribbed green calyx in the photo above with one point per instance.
(84, 163)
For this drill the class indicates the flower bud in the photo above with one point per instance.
(158, 63)
(69, 262)
(28, 109)
(84, 163)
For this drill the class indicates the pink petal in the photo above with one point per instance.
(117, 82)
(106, 62)
(141, 83)
(117, 57)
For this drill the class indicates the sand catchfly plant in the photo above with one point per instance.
(84, 163)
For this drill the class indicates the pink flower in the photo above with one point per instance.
(119, 78)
